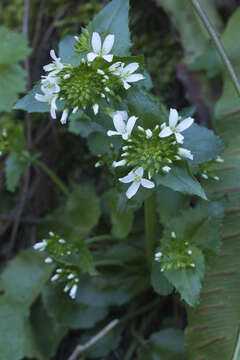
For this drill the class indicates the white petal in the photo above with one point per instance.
(91, 56)
(108, 57)
(53, 107)
(179, 137)
(165, 132)
(132, 189)
(99, 71)
(119, 163)
(134, 77)
(185, 153)
(40, 97)
(130, 124)
(186, 123)
(166, 169)
(48, 67)
(96, 42)
(123, 114)
(130, 68)
(95, 108)
(63, 119)
(128, 178)
(147, 184)
(108, 44)
(73, 291)
(53, 55)
(125, 136)
(173, 117)
(119, 124)
(111, 133)
(148, 133)
(139, 171)
(126, 85)
(75, 110)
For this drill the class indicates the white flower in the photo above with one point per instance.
(40, 245)
(175, 126)
(136, 177)
(123, 125)
(219, 159)
(185, 153)
(95, 109)
(166, 169)
(49, 85)
(126, 74)
(158, 256)
(99, 49)
(55, 66)
(51, 100)
(73, 291)
(119, 163)
(148, 133)
(48, 260)
(55, 277)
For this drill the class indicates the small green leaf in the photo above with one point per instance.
(166, 344)
(113, 19)
(16, 164)
(69, 313)
(121, 221)
(188, 280)
(178, 179)
(83, 208)
(159, 282)
(203, 144)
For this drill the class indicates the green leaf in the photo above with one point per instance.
(66, 51)
(13, 46)
(47, 331)
(83, 208)
(203, 143)
(99, 143)
(121, 221)
(178, 179)
(166, 344)
(81, 124)
(21, 283)
(12, 81)
(67, 312)
(159, 282)
(113, 19)
(187, 280)
(16, 164)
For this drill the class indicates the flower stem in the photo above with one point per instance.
(220, 48)
(53, 177)
(149, 210)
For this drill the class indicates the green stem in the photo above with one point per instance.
(99, 238)
(149, 210)
(53, 177)
(220, 48)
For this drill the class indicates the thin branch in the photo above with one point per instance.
(25, 219)
(80, 348)
(37, 32)
(218, 44)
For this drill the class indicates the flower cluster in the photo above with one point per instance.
(58, 249)
(206, 169)
(149, 151)
(95, 78)
(175, 254)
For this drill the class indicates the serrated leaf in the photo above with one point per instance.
(15, 166)
(178, 179)
(203, 144)
(12, 82)
(21, 283)
(159, 282)
(187, 281)
(121, 221)
(83, 208)
(166, 344)
(113, 19)
(68, 313)
(13, 46)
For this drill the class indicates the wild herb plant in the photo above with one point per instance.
(167, 193)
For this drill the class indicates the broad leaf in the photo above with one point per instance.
(16, 164)
(13, 46)
(159, 282)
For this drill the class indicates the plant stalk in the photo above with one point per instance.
(149, 212)
(226, 61)
(53, 177)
